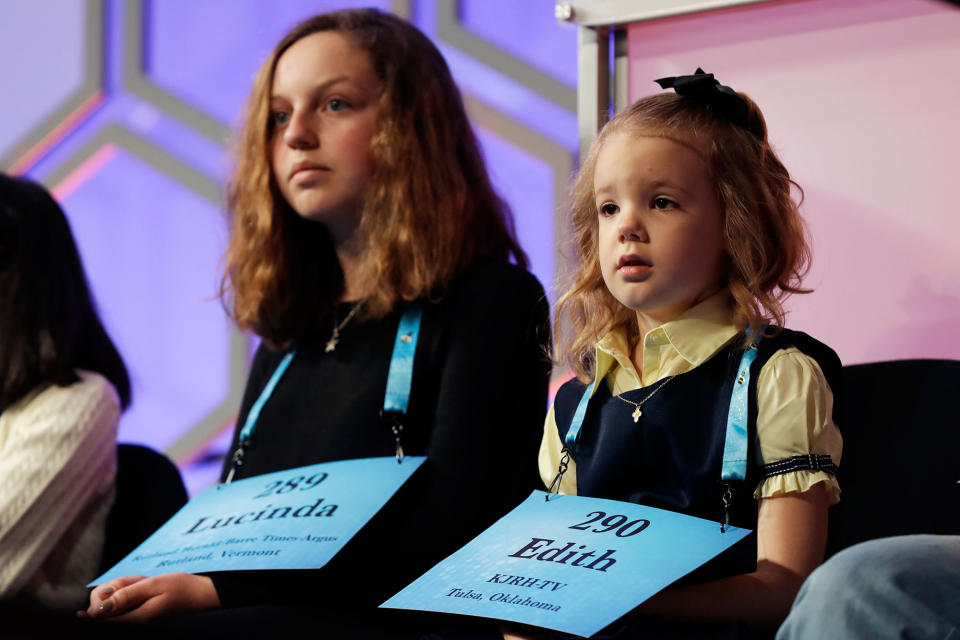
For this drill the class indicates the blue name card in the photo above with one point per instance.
(294, 519)
(572, 564)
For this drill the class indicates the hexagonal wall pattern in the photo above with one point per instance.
(155, 274)
(47, 88)
(527, 31)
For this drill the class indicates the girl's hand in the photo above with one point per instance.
(138, 598)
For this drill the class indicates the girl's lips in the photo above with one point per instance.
(632, 266)
(307, 170)
(307, 175)
(635, 271)
(631, 260)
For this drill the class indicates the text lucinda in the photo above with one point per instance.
(267, 513)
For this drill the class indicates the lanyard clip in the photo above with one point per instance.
(561, 469)
(236, 460)
(394, 418)
(727, 501)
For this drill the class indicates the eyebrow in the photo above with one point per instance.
(320, 88)
(603, 189)
(656, 184)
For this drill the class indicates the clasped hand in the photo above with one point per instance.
(139, 598)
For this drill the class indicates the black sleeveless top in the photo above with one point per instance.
(671, 459)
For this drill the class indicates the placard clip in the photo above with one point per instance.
(561, 469)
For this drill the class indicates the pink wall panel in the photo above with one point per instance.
(861, 100)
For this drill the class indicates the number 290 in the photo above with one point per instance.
(623, 528)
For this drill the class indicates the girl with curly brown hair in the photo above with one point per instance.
(360, 188)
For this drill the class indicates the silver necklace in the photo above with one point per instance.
(637, 412)
(335, 336)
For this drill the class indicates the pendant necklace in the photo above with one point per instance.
(335, 336)
(637, 412)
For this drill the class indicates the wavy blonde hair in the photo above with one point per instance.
(429, 209)
(764, 235)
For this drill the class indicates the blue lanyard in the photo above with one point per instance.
(251, 424)
(735, 444)
(735, 441)
(395, 401)
(573, 433)
(400, 374)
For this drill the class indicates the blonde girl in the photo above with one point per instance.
(687, 240)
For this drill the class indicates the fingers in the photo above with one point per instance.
(101, 593)
(135, 598)
(128, 598)
(104, 598)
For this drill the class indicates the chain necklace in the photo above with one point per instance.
(637, 412)
(335, 336)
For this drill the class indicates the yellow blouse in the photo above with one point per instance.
(795, 404)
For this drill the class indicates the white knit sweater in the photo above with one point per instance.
(58, 462)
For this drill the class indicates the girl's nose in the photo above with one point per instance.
(630, 227)
(301, 132)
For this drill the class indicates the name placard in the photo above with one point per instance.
(294, 519)
(572, 564)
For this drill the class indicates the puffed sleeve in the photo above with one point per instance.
(550, 455)
(795, 418)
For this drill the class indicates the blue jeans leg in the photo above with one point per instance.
(905, 587)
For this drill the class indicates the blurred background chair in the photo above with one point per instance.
(149, 491)
(900, 422)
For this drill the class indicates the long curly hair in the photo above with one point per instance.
(764, 235)
(429, 208)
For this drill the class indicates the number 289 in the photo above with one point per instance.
(302, 483)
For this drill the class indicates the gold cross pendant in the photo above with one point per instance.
(636, 414)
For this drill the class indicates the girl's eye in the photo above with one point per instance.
(279, 118)
(662, 203)
(608, 209)
(336, 104)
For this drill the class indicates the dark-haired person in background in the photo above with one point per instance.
(62, 386)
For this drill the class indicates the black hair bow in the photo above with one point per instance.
(718, 98)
